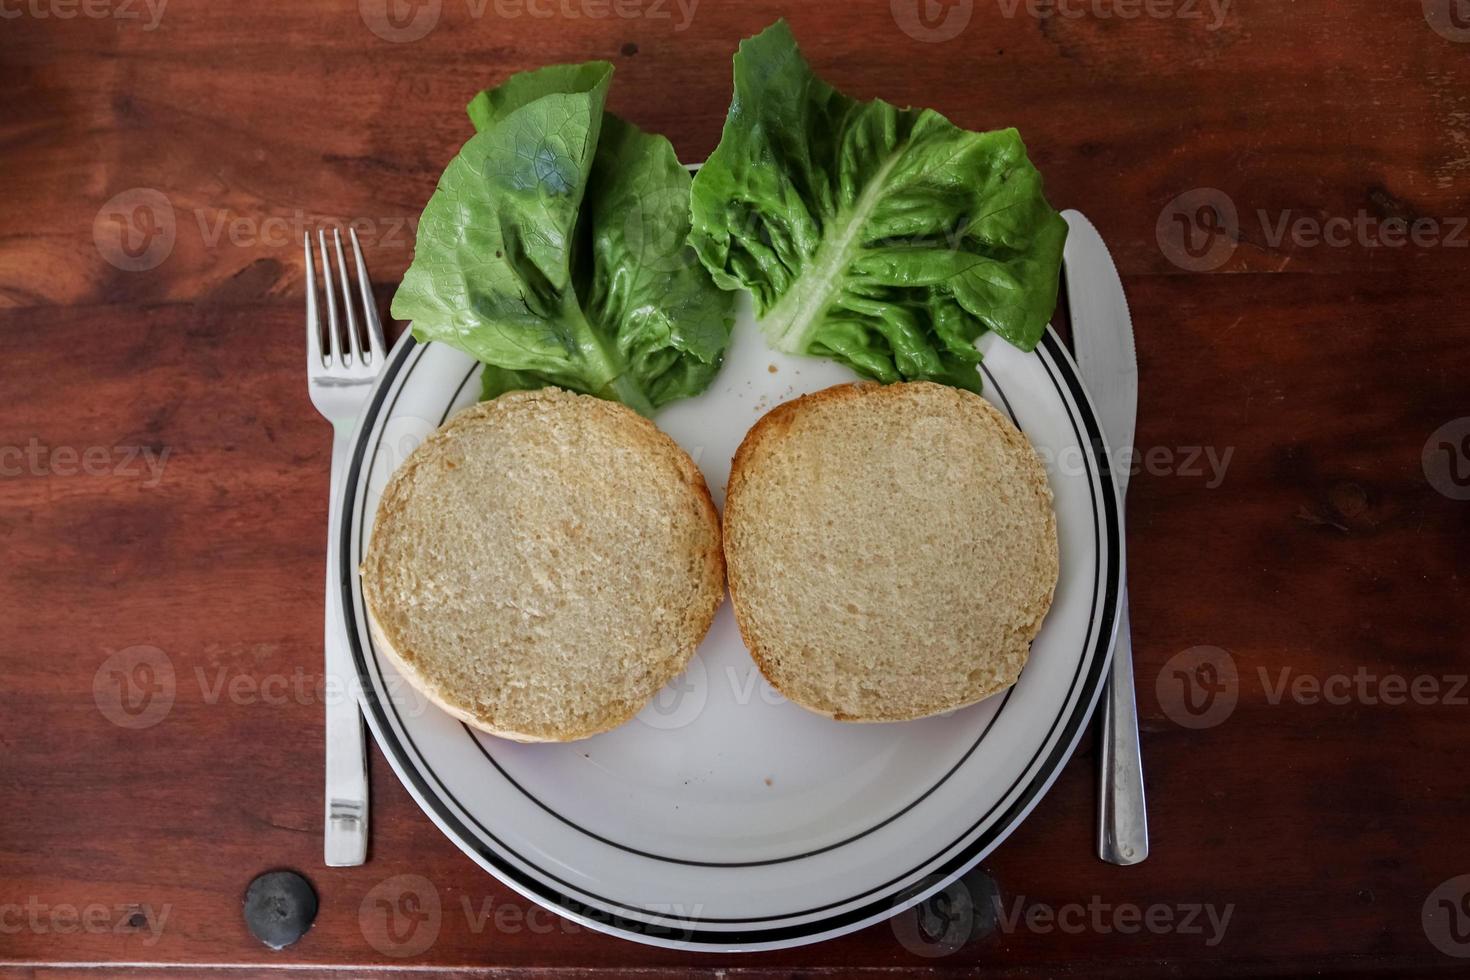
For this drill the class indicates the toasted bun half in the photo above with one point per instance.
(543, 564)
(892, 550)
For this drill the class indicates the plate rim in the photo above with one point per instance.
(685, 933)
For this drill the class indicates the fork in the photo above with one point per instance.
(339, 381)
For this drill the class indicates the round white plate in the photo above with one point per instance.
(722, 817)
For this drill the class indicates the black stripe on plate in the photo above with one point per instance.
(639, 928)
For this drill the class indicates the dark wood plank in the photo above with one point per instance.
(197, 527)
(1323, 549)
(252, 123)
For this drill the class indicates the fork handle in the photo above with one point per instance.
(1122, 829)
(344, 841)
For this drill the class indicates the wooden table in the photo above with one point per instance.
(165, 479)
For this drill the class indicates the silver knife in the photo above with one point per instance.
(1102, 335)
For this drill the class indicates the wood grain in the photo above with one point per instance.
(198, 526)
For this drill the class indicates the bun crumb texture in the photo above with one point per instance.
(892, 550)
(543, 564)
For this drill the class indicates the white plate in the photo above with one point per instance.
(723, 817)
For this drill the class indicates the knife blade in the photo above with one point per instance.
(1102, 337)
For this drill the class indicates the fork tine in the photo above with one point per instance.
(333, 326)
(354, 339)
(369, 305)
(313, 314)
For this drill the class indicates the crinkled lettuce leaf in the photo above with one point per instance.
(668, 321)
(889, 239)
(554, 250)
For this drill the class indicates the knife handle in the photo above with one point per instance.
(1122, 829)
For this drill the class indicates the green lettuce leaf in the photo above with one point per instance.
(554, 250)
(669, 322)
(889, 239)
(492, 105)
